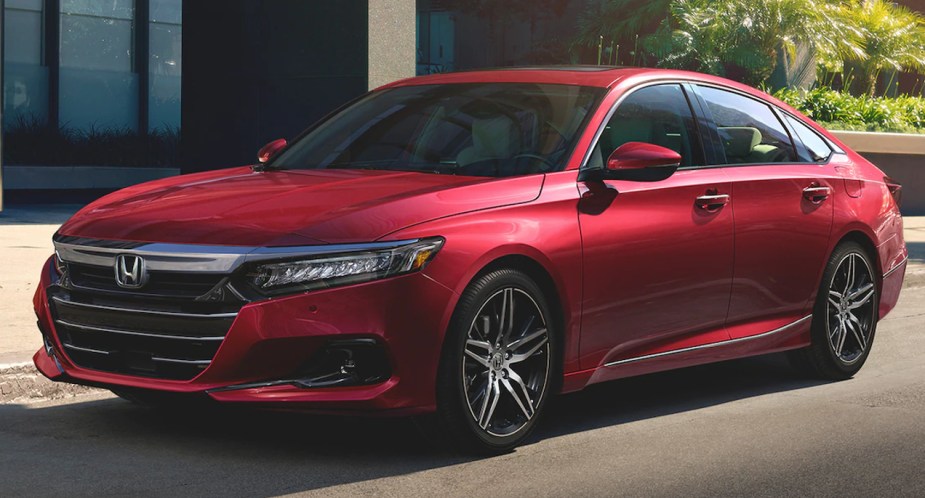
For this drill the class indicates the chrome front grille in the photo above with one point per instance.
(170, 329)
(161, 283)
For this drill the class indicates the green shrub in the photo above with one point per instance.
(838, 110)
(33, 142)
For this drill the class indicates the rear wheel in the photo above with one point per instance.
(498, 364)
(844, 317)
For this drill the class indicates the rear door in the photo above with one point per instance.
(657, 255)
(783, 212)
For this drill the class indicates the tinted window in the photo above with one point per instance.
(749, 130)
(658, 115)
(815, 148)
(492, 129)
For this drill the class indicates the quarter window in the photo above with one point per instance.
(749, 130)
(815, 148)
(657, 115)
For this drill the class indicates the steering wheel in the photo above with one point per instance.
(549, 165)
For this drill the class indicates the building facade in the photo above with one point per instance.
(101, 94)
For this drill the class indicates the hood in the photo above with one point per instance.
(298, 207)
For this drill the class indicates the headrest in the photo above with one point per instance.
(495, 137)
(739, 141)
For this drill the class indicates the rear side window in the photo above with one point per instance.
(749, 130)
(815, 149)
(657, 115)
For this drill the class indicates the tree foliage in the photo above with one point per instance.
(892, 37)
(747, 37)
(737, 38)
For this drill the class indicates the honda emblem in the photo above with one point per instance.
(130, 271)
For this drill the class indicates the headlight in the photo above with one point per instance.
(344, 268)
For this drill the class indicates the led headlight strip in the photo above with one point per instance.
(347, 267)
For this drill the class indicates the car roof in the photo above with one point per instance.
(593, 76)
(597, 76)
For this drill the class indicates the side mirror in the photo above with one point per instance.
(271, 149)
(637, 161)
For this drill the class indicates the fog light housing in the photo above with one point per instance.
(346, 362)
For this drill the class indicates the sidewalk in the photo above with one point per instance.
(25, 243)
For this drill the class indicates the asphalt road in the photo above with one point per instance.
(748, 427)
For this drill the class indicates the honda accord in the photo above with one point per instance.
(461, 247)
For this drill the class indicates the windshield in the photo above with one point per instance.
(490, 129)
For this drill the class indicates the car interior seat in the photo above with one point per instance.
(743, 145)
(493, 138)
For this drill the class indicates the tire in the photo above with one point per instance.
(495, 375)
(844, 316)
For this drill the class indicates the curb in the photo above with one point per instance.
(22, 383)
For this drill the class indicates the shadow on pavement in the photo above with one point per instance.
(111, 446)
(665, 393)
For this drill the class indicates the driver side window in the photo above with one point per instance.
(657, 115)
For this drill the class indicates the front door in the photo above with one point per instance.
(658, 256)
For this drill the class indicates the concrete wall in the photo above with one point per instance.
(2, 5)
(391, 41)
(899, 155)
(909, 171)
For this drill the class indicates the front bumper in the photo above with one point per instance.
(274, 339)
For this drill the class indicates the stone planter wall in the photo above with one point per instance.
(899, 155)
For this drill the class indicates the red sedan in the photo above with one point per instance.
(464, 246)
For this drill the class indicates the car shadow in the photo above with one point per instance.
(676, 391)
(270, 453)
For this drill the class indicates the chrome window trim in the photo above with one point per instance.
(613, 109)
(708, 346)
(196, 258)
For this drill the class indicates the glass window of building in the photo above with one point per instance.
(164, 65)
(98, 85)
(25, 85)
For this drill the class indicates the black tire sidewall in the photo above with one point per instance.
(822, 355)
(452, 404)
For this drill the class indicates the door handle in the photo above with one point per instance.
(712, 202)
(816, 193)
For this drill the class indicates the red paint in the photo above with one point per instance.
(271, 149)
(638, 155)
(638, 267)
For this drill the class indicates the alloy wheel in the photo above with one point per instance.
(506, 362)
(851, 308)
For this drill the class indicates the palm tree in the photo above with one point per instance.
(619, 20)
(893, 38)
(744, 39)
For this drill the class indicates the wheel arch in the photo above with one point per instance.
(865, 241)
(540, 274)
(536, 271)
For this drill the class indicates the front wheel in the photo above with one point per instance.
(844, 317)
(498, 365)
